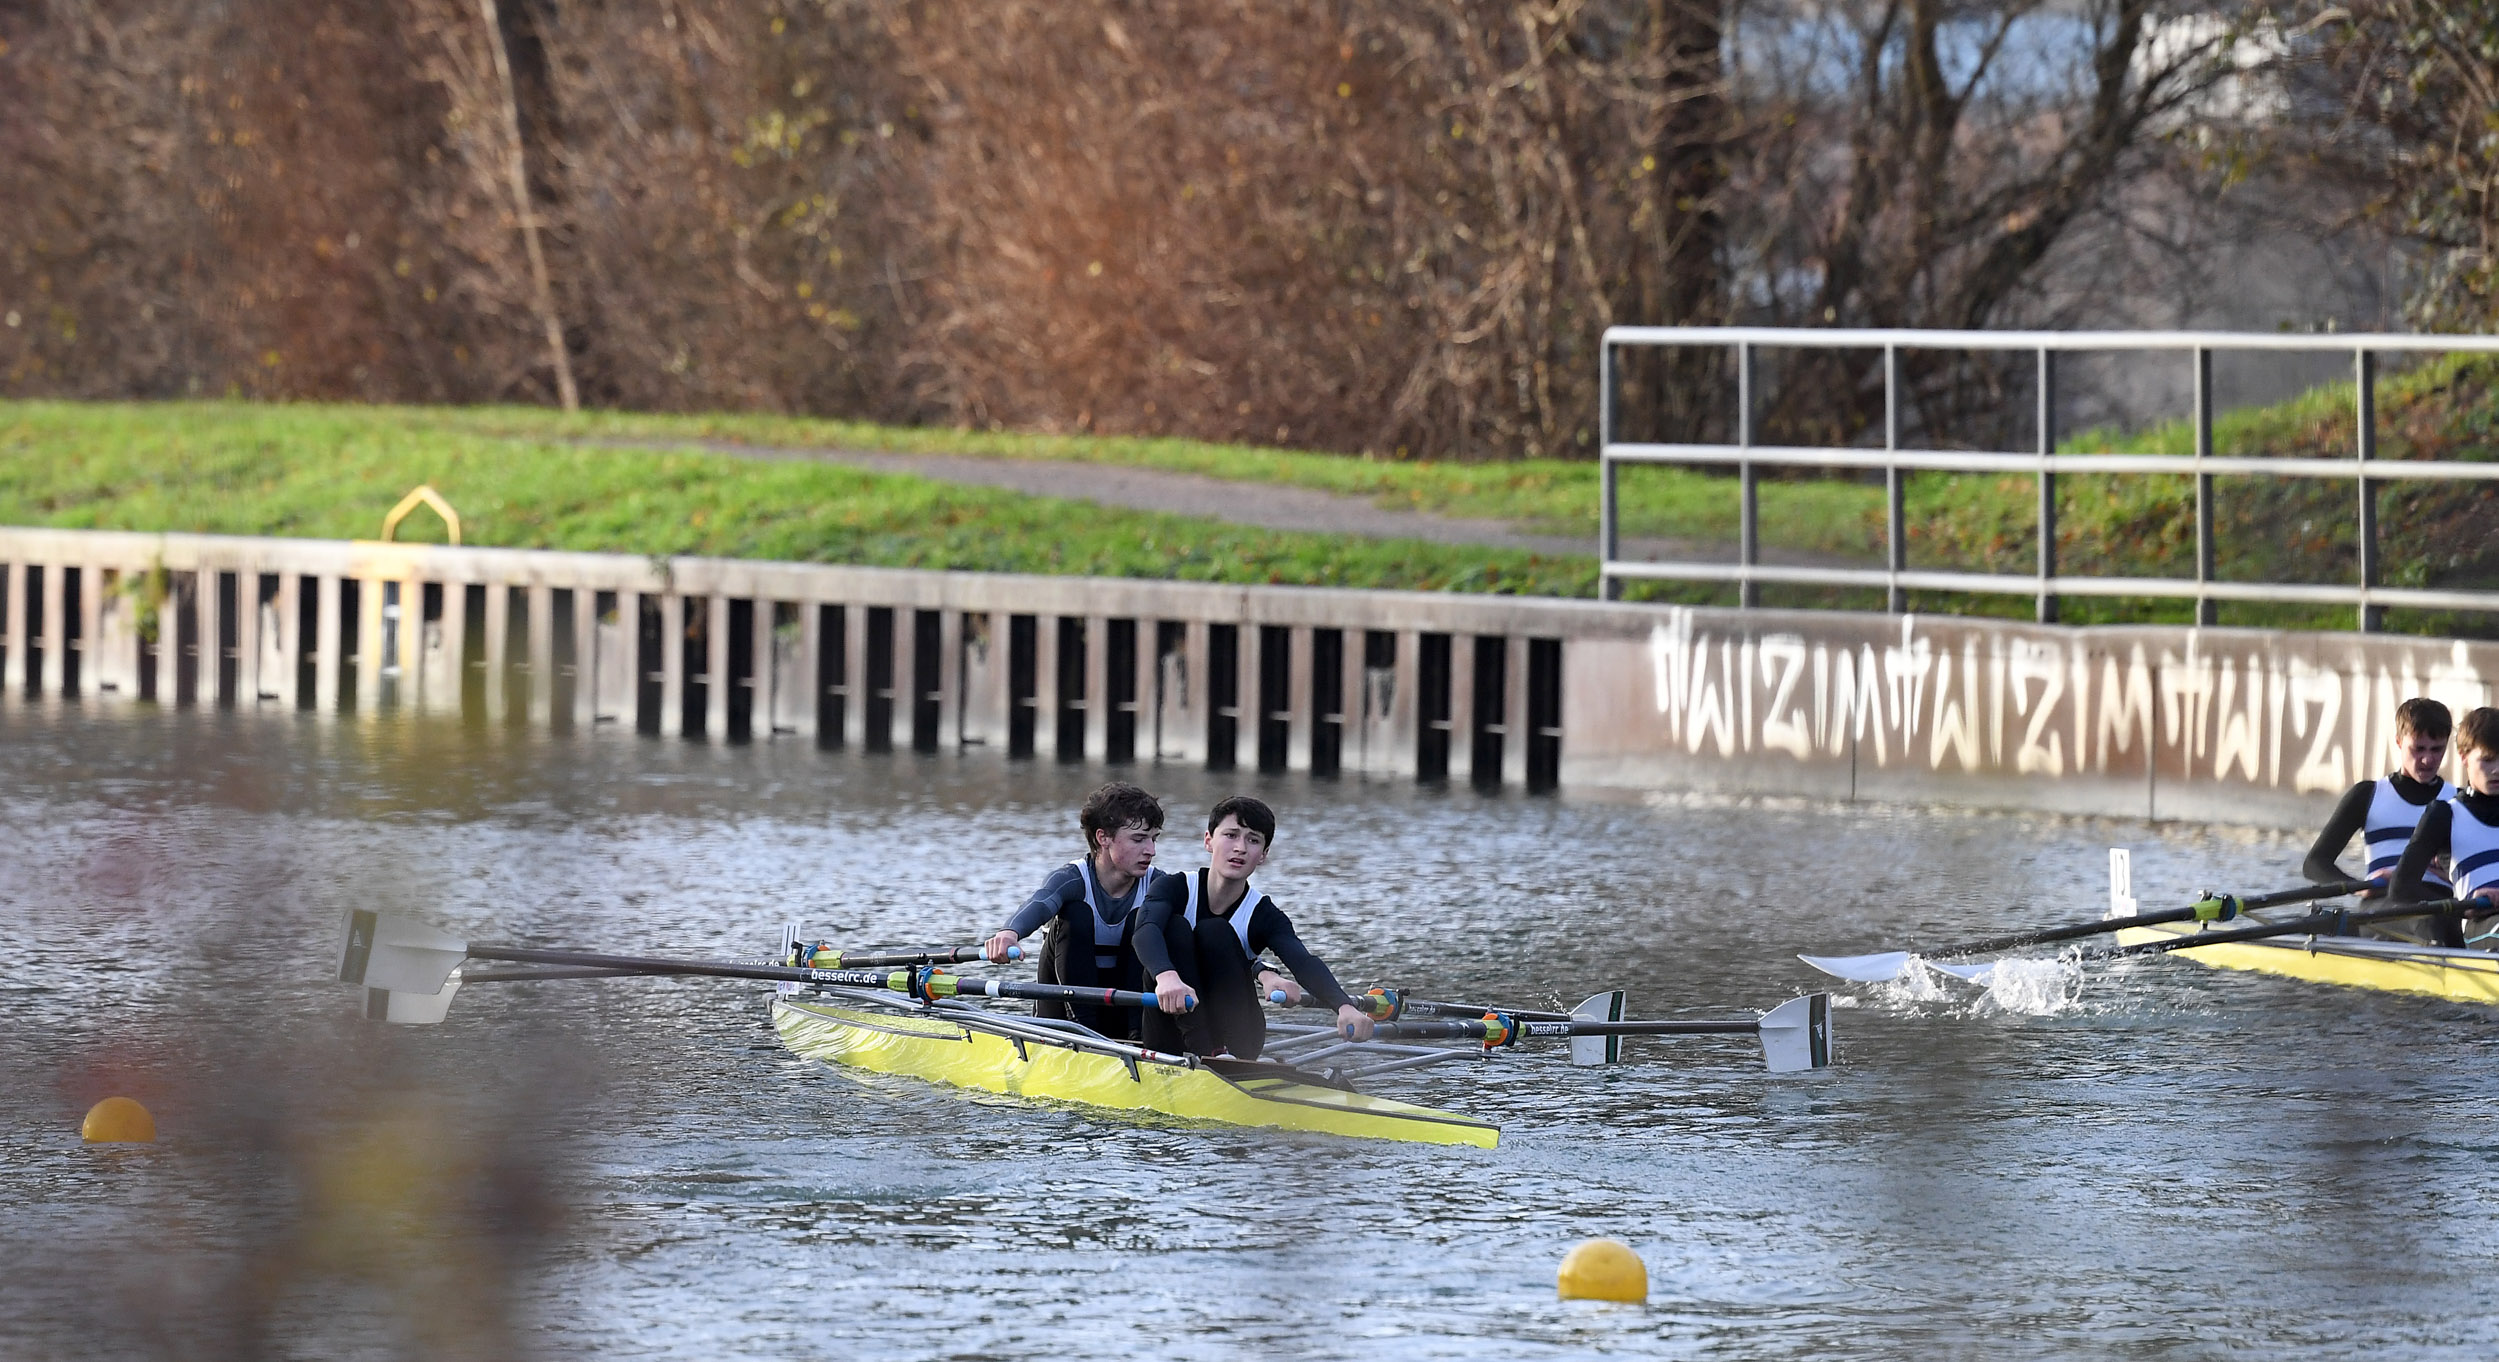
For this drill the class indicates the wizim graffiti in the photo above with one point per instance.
(2292, 714)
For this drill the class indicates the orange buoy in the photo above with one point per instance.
(118, 1120)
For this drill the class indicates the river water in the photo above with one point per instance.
(2147, 1160)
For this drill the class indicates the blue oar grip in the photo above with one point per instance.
(1015, 952)
(1189, 1004)
(1275, 995)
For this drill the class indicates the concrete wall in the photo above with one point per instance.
(2227, 725)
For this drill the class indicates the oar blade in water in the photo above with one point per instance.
(400, 954)
(1976, 974)
(1588, 1051)
(1796, 1035)
(1881, 967)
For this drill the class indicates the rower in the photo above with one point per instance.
(2384, 812)
(1090, 906)
(2465, 830)
(1202, 934)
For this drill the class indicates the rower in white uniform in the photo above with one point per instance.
(2385, 811)
(1202, 935)
(2465, 831)
(1090, 906)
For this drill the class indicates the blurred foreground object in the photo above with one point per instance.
(118, 1120)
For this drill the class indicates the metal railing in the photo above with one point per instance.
(2367, 595)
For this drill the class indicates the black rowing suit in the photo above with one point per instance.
(2464, 829)
(1216, 955)
(1089, 941)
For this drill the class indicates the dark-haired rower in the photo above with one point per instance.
(2464, 829)
(2384, 812)
(1203, 933)
(1090, 906)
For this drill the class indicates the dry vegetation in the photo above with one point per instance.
(1387, 225)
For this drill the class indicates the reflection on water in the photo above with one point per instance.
(2144, 1159)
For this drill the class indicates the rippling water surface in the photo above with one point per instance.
(2142, 1161)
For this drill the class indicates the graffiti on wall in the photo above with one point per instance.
(2288, 712)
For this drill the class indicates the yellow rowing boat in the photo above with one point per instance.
(2466, 976)
(1022, 1057)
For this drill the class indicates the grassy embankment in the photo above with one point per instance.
(524, 477)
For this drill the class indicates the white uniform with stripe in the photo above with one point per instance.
(1109, 933)
(2472, 850)
(2391, 821)
(1240, 915)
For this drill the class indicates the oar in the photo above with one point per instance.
(2295, 927)
(826, 957)
(820, 957)
(1795, 1035)
(1389, 1004)
(2331, 922)
(409, 967)
(1883, 965)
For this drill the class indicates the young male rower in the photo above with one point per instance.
(1202, 934)
(1090, 906)
(2465, 830)
(2385, 811)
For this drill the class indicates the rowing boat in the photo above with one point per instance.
(2467, 976)
(1026, 1057)
(849, 1014)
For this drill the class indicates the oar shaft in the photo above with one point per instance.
(2295, 927)
(825, 957)
(522, 976)
(2045, 935)
(1453, 1029)
(912, 981)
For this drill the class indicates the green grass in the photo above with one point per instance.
(529, 477)
(331, 471)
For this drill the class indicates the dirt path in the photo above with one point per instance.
(1266, 505)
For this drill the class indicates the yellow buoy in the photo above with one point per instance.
(118, 1120)
(1603, 1270)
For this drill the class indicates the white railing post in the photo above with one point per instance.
(1609, 522)
(2047, 606)
(2365, 448)
(2205, 612)
(1748, 515)
(1895, 489)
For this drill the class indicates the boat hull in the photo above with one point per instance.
(2466, 976)
(953, 1048)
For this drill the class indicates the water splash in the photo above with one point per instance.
(1918, 984)
(2035, 987)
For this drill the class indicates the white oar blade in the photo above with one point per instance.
(1880, 967)
(1796, 1035)
(410, 1009)
(1587, 1051)
(396, 953)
